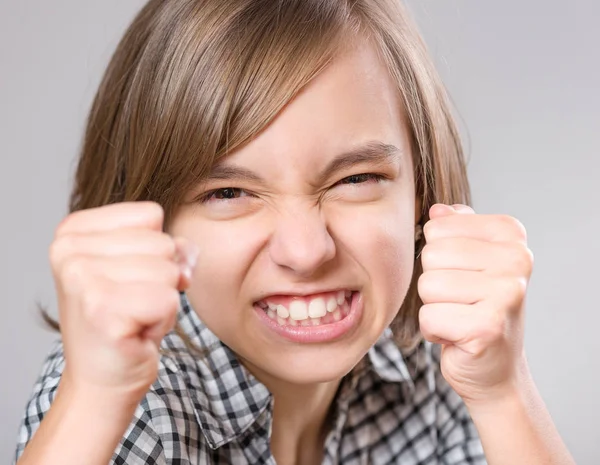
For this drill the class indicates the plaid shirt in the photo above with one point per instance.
(392, 408)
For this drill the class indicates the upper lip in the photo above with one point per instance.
(304, 293)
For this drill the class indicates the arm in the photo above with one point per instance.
(78, 425)
(458, 439)
(114, 310)
(476, 269)
(519, 429)
(63, 426)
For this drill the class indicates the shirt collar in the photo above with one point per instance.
(228, 399)
(388, 361)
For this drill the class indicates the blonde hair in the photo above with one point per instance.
(192, 80)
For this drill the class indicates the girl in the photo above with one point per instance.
(269, 257)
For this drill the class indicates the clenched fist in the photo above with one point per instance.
(118, 277)
(475, 274)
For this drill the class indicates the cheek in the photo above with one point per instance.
(226, 252)
(382, 244)
(377, 239)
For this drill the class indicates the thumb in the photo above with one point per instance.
(440, 210)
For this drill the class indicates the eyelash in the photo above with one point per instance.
(206, 197)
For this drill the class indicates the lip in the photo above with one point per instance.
(303, 293)
(316, 334)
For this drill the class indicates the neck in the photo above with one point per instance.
(300, 418)
(300, 421)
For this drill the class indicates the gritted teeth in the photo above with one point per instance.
(302, 308)
(332, 317)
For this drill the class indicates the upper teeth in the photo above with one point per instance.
(282, 312)
(302, 308)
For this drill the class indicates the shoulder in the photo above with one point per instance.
(42, 395)
(403, 400)
(164, 418)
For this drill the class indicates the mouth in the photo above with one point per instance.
(317, 318)
(307, 311)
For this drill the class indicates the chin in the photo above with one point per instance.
(317, 365)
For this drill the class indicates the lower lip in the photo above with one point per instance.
(314, 334)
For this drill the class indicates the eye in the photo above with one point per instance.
(225, 193)
(361, 178)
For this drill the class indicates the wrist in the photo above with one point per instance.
(505, 407)
(92, 396)
(111, 406)
(512, 395)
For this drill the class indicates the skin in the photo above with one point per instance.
(117, 277)
(297, 233)
(476, 269)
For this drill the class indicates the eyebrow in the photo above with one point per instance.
(373, 152)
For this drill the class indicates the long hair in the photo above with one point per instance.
(192, 80)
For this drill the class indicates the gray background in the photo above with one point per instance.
(525, 78)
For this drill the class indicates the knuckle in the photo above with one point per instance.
(95, 304)
(170, 310)
(489, 330)
(63, 245)
(425, 317)
(515, 289)
(172, 299)
(514, 226)
(154, 210)
(113, 331)
(528, 259)
(65, 224)
(438, 254)
(426, 285)
(165, 295)
(175, 271)
(166, 245)
(523, 258)
(56, 252)
(75, 268)
(168, 300)
(429, 230)
(516, 258)
(427, 256)
(158, 270)
(493, 327)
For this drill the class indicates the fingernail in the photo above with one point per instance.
(186, 270)
(187, 252)
(191, 254)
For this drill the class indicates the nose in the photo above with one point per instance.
(301, 241)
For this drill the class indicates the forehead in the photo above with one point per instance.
(353, 101)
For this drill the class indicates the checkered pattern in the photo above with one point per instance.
(393, 408)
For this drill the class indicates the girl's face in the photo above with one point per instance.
(321, 203)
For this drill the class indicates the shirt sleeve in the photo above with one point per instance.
(42, 397)
(140, 444)
(458, 439)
